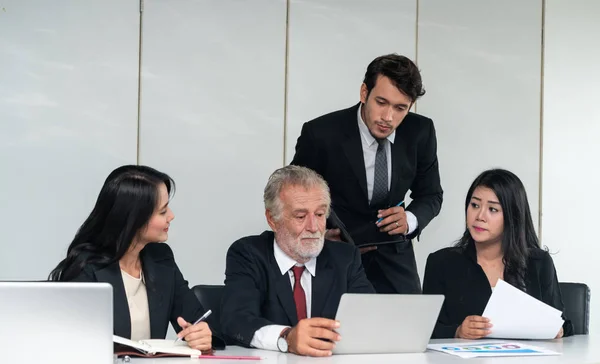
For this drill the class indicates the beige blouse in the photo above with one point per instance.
(137, 299)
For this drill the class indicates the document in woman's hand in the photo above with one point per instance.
(516, 315)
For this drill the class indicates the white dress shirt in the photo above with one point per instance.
(369, 147)
(266, 337)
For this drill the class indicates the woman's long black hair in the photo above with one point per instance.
(124, 206)
(518, 238)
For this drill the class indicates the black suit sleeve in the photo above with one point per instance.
(426, 190)
(185, 302)
(307, 151)
(550, 289)
(434, 283)
(357, 279)
(242, 297)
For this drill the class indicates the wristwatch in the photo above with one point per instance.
(282, 343)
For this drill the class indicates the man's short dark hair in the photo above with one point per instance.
(403, 73)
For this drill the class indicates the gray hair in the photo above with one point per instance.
(291, 176)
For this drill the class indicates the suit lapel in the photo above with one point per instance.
(286, 297)
(158, 278)
(352, 147)
(322, 284)
(112, 274)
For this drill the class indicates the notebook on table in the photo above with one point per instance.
(160, 348)
(153, 348)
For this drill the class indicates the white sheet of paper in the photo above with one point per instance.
(516, 315)
(172, 347)
(490, 348)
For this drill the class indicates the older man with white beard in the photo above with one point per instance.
(283, 287)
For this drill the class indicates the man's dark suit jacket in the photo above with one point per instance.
(331, 145)
(455, 273)
(257, 294)
(169, 295)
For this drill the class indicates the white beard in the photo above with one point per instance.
(305, 250)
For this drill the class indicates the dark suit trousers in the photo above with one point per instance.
(392, 269)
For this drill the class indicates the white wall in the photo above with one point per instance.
(330, 45)
(68, 110)
(212, 118)
(571, 130)
(481, 69)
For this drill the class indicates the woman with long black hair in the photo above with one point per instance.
(499, 242)
(122, 243)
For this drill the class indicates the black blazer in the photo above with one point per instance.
(331, 146)
(454, 272)
(257, 294)
(169, 295)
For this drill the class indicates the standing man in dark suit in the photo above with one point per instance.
(370, 155)
(283, 287)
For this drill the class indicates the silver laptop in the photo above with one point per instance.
(386, 323)
(54, 322)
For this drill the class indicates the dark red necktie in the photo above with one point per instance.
(299, 296)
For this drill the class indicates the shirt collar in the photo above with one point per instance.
(286, 263)
(366, 134)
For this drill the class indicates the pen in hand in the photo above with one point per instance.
(399, 204)
(203, 317)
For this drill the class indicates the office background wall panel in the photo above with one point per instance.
(68, 110)
(481, 65)
(330, 45)
(212, 117)
(571, 130)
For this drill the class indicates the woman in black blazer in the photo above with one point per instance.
(122, 243)
(498, 243)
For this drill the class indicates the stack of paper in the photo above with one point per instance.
(516, 315)
(475, 349)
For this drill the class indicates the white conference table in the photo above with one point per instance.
(575, 349)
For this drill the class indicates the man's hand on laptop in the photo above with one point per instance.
(313, 337)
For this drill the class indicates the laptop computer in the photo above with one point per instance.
(55, 322)
(386, 323)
